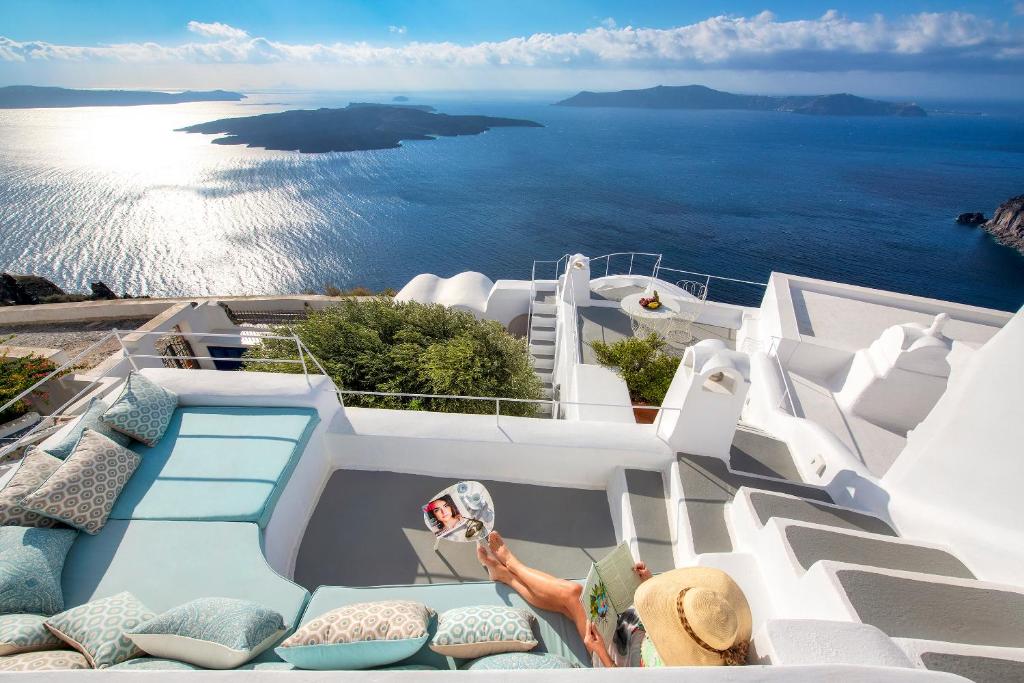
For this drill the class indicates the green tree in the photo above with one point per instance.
(381, 345)
(640, 361)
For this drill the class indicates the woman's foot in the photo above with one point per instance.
(500, 550)
(495, 569)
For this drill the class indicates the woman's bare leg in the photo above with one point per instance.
(548, 592)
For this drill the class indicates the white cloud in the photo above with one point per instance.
(928, 41)
(608, 22)
(217, 30)
(397, 29)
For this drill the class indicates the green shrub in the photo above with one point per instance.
(17, 375)
(380, 345)
(640, 361)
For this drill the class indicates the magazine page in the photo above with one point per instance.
(462, 512)
(621, 582)
(597, 606)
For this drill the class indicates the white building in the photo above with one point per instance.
(849, 456)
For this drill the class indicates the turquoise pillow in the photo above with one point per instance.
(214, 633)
(351, 656)
(98, 629)
(469, 632)
(143, 410)
(26, 633)
(520, 660)
(89, 420)
(31, 562)
(359, 636)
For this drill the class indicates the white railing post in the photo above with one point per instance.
(298, 347)
(497, 411)
(124, 350)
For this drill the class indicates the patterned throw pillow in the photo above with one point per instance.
(97, 629)
(51, 660)
(90, 420)
(85, 487)
(359, 636)
(214, 633)
(520, 660)
(143, 410)
(31, 562)
(35, 467)
(469, 632)
(25, 633)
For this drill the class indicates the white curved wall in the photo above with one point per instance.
(467, 291)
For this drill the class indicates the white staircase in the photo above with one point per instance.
(542, 334)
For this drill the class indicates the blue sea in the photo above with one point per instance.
(116, 194)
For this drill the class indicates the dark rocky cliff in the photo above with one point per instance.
(1007, 224)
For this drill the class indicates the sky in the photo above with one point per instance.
(918, 48)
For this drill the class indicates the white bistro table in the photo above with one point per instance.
(659, 321)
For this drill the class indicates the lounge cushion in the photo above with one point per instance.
(218, 464)
(166, 564)
(33, 470)
(51, 660)
(31, 562)
(99, 629)
(67, 439)
(26, 633)
(480, 630)
(555, 633)
(82, 491)
(143, 410)
(359, 636)
(213, 633)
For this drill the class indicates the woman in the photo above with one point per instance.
(684, 617)
(444, 514)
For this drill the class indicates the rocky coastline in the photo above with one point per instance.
(1007, 223)
(28, 290)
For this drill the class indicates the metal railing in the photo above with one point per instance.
(787, 394)
(129, 357)
(497, 401)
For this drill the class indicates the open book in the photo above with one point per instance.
(609, 590)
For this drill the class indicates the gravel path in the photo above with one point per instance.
(71, 337)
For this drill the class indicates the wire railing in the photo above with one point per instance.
(497, 401)
(129, 357)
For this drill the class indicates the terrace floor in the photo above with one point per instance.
(368, 530)
(609, 325)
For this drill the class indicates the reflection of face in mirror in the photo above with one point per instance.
(444, 514)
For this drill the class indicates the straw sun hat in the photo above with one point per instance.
(695, 616)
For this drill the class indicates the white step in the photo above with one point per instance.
(787, 550)
(542, 347)
(917, 606)
(542, 308)
(751, 509)
(543, 363)
(543, 334)
(545, 285)
(973, 662)
(806, 642)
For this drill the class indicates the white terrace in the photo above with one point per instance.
(849, 456)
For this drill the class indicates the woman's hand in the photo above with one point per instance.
(593, 640)
(595, 644)
(642, 571)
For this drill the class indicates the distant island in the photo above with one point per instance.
(359, 126)
(702, 97)
(35, 97)
(399, 98)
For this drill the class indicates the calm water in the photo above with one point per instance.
(115, 194)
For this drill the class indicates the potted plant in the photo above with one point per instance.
(645, 368)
